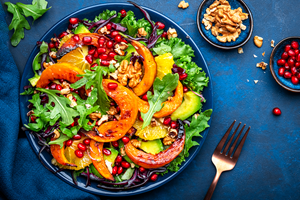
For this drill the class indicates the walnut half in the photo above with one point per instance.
(129, 72)
(258, 41)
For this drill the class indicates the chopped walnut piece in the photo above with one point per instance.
(168, 140)
(255, 81)
(131, 131)
(122, 151)
(95, 116)
(52, 54)
(103, 30)
(142, 32)
(103, 119)
(131, 72)
(132, 165)
(262, 65)
(118, 48)
(73, 102)
(114, 75)
(258, 41)
(263, 54)
(65, 91)
(56, 134)
(118, 117)
(30, 113)
(136, 143)
(171, 33)
(272, 43)
(153, 122)
(173, 133)
(240, 50)
(207, 24)
(46, 65)
(112, 111)
(183, 5)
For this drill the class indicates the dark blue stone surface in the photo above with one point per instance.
(269, 165)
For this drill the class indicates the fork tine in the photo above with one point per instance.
(231, 138)
(241, 144)
(222, 142)
(236, 140)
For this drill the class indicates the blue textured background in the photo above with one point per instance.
(269, 166)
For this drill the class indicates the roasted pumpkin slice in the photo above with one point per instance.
(148, 160)
(127, 101)
(64, 71)
(59, 154)
(71, 44)
(98, 160)
(169, 106)
(149, 69)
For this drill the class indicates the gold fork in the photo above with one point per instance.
(226, 162)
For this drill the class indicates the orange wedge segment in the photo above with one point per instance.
(76, 58)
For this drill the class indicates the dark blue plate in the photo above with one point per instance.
(210, 38)
(276, 55)
(90, 13)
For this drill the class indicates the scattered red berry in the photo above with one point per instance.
(295, 80)
(86, 141)
(86, 40)
(123, 13)
(173, 124)
(120, 170)
(119, 159)
(276, 111)
(160, 25)
(114, 170)
(295, 45)
(185, 89)
(154, 177)
(281, 71)
(142, 169)
(125, 139)
(167, 121)
(73, 20)
(77, 137)
(115, 144)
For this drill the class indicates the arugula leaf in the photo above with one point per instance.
(38, 107)
(33, 10)
(162, 90)
(94, 171)
(60, 141)
(35, 126)
(60, 107)
(28, 91)
(18, 23)
(41, 4)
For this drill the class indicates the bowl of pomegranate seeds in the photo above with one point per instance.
(285, 63)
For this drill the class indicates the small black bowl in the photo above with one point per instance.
(210, 38)
(276, 55)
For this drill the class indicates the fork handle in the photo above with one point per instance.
(213, 186)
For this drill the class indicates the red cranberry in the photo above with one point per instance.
(286, 66)
(276, 111)
(295, 80)
(295, 45)
(144, 97)
(173, 124)
(185, 89)
(291, 53)
(287, 75)
(285, 55)
(86, 40)
(125, 164)
(109, 44)
(120, 170)
(106, 152)
(115, 144)
(112, 54)
(118, 38)
(164, 34)
(86, 141)
(92, 51)
(81, 147)
(69, 143)
(142, 169)
(73, 20)
(104, 62)
(89, 58)
(101, 50)
(112, 86)
(160, 25)
(53, 86)
(58, 87)
(167, 121)
(108, 26)
(294, 70)
(103, 56)
(63, 34)
(154, 177)
(77, 137)
(183, 76)
(114, 170)
(114, 34)
(287, 48)
(79, 153)
(119, 159)
(123, 13)
(297, 64)
(76, 38)
(51, 45)
(281, 62)
(281, 71)
(125, 139)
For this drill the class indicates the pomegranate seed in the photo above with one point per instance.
(109, 44)
(52, 86)
(291, 53)
(112, 54)
(297, 64)
(294, 58)
(298, 57)
(287, 48)
(86, 40)
(81, 147)
(77, 137)
(56, 44)
(287, 75)
(73, 20)
(61, 80)
(294, 70)
(298, 76)
(47, 87)
(295, 45)
(140, 118)
(117, 164)
(119, 159)
(103, 56)
(295, 80)
(124, 41)
(76, 38)
(167, 121)
(183, 76)
(154, 177)
(125, 139)
(118, 109)
(32, 120)
(118, 38)
(173, 124)
(125, 164)
(114, 170)
(92, 51)
(112, 86)
(276, 111)
(160, 25)
(94, 65)
(114, 119)
(297, 51)
(115, 144)
(108, 26)
(142, 169)
(120, 170)
(69, 142)
(284, 55)
(114, 34)
(86, 141)
(52, 104)
(104, 62)
(106, 152)
(112, 103)
(101, 50)
(63, 34)
(281, 71)
(164, 34)
(185, 89)
(123, 13)
(58, 87)
(286, 66)
(79, 153)
(89, 58)
(291, 62)
(51, 45)
(281, 62)
(144, 97)
(96, 55)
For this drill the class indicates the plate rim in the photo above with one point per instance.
(110, 193)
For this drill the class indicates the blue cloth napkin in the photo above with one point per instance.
(22, 176)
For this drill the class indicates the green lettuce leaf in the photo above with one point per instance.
(35, 11)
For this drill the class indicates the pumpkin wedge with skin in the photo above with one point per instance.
(63, 71)
(169, 106)
(149, 69)
(148, 160)
(98, 160)
(114, 130)
(59, 154)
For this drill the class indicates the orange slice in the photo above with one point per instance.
(77, 58)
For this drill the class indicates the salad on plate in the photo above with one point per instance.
(116, 99)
